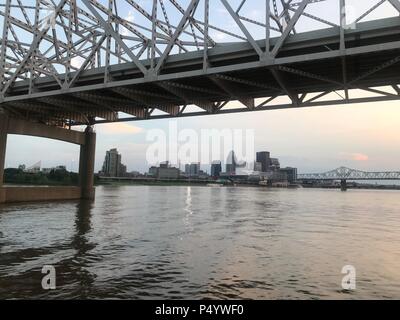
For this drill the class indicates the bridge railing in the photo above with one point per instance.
(344, 173)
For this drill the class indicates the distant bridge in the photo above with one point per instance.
(344, 173)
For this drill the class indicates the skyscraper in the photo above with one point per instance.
(265, 159)
(275, 164)
(231, 163)
(257, 167)
(216, 169)
(112, 166)
(194, 169)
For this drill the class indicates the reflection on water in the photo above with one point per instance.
(197, 242)
(188, 210)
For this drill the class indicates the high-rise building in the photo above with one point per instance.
(264, 158)
(258, 167)
(291, 174)
(231, 163)
(122, 170)
(275, 164)
(192, 169)
(164, 164)
(216, 169)
(112, 166)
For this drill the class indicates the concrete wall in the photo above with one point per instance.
(3, 145)
(30, 194)
(87, 142)
(86, 165)
(27, 128)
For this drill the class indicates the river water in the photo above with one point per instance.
(145, 242)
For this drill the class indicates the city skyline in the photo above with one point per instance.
(360, 136)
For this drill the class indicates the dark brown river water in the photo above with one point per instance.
(145, 242)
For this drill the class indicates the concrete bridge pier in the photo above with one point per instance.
(87, 142)
(86, 165)
(343, 185)
(3, 145)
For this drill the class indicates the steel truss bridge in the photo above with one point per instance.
(344, 173)
(74, 62)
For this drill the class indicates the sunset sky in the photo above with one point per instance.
(362, 136)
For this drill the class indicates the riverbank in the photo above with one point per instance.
(228, 183)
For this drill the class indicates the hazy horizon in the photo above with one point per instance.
(362, 136)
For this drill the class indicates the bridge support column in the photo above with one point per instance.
(343, 185)
(86, 165)
(3, 146)
(87, 142)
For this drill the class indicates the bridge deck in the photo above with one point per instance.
(308, 63)
(344, 173)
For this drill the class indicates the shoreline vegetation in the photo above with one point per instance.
(194, 182)
(18, 177)
(14, 176)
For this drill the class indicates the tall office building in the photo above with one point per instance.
(216, 169)
(275, 164)
(112, 166)
(193, 169)
(231, 163)
(258, 167)
(265, 159)
(187, 169)
(291, 174)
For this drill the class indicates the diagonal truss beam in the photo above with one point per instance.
(110, 31)
(38, 38)
(289, 28)
(396, 4)
(249, 37)
(94, 47)
(177, 33)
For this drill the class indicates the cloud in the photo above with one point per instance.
(118, 129)
(354, 156)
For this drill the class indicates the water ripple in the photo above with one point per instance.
(144, 242)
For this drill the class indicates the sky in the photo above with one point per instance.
(362, 136)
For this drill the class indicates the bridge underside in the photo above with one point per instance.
(307, 70)
(87, 142)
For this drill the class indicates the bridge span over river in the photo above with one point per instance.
(345, 174)
(66, 63)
